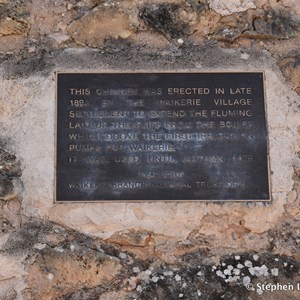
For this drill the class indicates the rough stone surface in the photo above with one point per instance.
(258, 24)
(87, 31)
(172, 20)
(290, 67)
(224, 7)
(143, 250)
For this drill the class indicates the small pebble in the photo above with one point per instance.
(264, 270)
(246, 280)
(177, 277)
(72, 247)
(220, 274)
(274, 272)
(237, 257)
(180, 41)
(240, 266)
(136, 270)
(50, 276)
(154, 278)
(236, 271)
(168, 273)
(245, 56)
(255, 257)
(59, 249)
(259, 291)
(227, 272)
(31, 49)
(199, 293)
(248, 263)
(139, 288)
(39, 246)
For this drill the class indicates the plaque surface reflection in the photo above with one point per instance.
(161, 136)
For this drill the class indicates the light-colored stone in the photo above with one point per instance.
(131, 238)
(292, 4)
(88, 31)
(11, 278)
(55, 273)
(225, 7)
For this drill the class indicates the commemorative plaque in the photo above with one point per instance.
(161, 136)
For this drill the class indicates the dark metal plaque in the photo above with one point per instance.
(161, 136)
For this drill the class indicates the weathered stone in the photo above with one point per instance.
(258, 24)
(11, 280)
(286, 238)
(57, 273)
(279, 24)
(292, 4)
(10, 167)
(9, 170)
(224, 7)
(15, 9)
(14, 16)
(6, 187)
(13, 27)
(10, 216)
(23, 240)
(89, 4)
(171, 20)
(9, 294)
(91, 32)
(138, 238)
(12, 44)
(290, 67)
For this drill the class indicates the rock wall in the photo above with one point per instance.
(144, 250)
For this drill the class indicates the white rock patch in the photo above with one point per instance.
(225, 7)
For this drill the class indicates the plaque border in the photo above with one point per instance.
(144, 71)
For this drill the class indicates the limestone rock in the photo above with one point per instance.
(225, 7)
(258, 24)
(92, 29)
(9, 215)
(280, 24)
(58, 273)
(13, 16)
(8, 294)
(88, 3)
(13, 27)
(290, 67)
(292, 4)
(138, 238)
